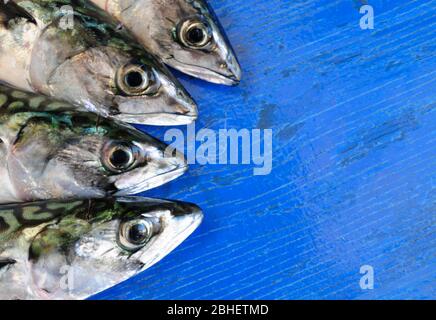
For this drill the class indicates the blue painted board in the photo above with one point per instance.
(354, 157)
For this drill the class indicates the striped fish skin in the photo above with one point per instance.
(78, 58)
(50, 150)
(185, 34)
(75, 249)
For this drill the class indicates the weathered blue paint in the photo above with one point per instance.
(353, 114)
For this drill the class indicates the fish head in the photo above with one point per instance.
(188, 37)
(82, 155)
(80, 257)
(139, 162)
(108, 76)
(114, 84)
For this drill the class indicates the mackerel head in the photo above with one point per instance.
(185, 34)
(58, 49)
(50, 150)
(74, 249)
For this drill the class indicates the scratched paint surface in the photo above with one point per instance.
(353, 180)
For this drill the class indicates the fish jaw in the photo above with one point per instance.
(173, 106)
(157, 119)
(230, 77)
(178, 225)
(150, 183)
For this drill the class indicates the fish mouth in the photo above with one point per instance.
(177, 229)
(159, 119)
(233, 77)
(153, 182)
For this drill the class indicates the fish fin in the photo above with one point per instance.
(4, 262)
(10, 10)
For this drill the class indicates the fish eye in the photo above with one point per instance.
(134, 234)
(138, 233)
(135, 80)
(119, 156)
(194, 34)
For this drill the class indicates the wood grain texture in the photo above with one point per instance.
(353, 180)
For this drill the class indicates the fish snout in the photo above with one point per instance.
(178, 107)
(187, 110)
(186, 209)
(231, 70)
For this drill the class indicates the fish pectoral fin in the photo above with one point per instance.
(5, 262)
